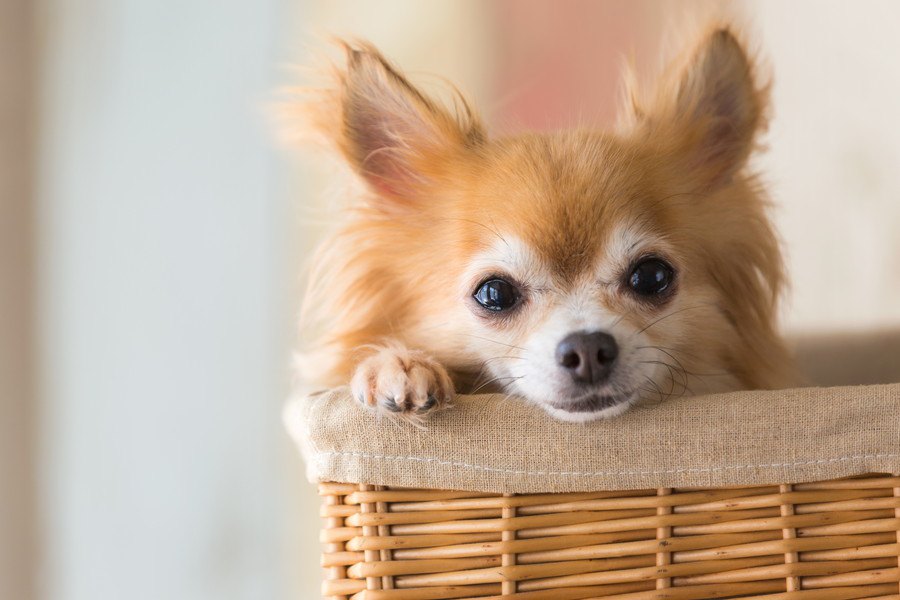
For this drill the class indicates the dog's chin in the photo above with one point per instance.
(591, 407)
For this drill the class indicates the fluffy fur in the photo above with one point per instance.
(564, 215)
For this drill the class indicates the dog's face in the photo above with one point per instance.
(582, 270)
(585, 279)
(581, 290)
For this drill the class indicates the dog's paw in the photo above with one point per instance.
(402, 381)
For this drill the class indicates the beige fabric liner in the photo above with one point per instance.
(499, 444)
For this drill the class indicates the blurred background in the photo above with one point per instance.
(152, 237)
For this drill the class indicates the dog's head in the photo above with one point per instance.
(584, 270)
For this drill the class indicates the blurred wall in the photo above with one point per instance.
(164, 302)
(17, 402)
(834, 148)
(559, 64)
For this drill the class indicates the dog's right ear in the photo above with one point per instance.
(396, 138)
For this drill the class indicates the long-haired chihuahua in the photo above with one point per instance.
(582, 270)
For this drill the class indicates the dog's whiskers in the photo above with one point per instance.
(492, 230)
(671, 314)
(681, 381)
(478, 337)
(483, 368)
(487, 360)
(665, 349)
(495, 380)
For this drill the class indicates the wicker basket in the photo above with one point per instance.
(825, 540)
(781, 499)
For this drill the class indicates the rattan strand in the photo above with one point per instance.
(819, 541)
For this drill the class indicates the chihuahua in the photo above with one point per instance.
(582, 270)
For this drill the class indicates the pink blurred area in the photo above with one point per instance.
(559, 64)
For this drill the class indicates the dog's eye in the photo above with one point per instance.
(651, 276)
(496, 295)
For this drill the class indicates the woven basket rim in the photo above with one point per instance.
(494, 444)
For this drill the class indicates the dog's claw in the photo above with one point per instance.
(429, 404)
(391, 405)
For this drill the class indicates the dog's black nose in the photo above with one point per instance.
(587, 356)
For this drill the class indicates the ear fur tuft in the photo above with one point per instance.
(709, 106)
(396, 138)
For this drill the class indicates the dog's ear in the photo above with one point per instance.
(394, 136)
(711, 108)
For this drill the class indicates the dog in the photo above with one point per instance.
(585, 271)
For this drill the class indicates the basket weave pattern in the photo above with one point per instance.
(827, 540)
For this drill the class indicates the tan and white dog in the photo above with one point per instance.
(583, 270)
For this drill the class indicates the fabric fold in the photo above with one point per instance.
(493, 443)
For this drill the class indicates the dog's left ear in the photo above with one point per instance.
(710, 110)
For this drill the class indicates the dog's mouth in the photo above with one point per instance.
(593, 406)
